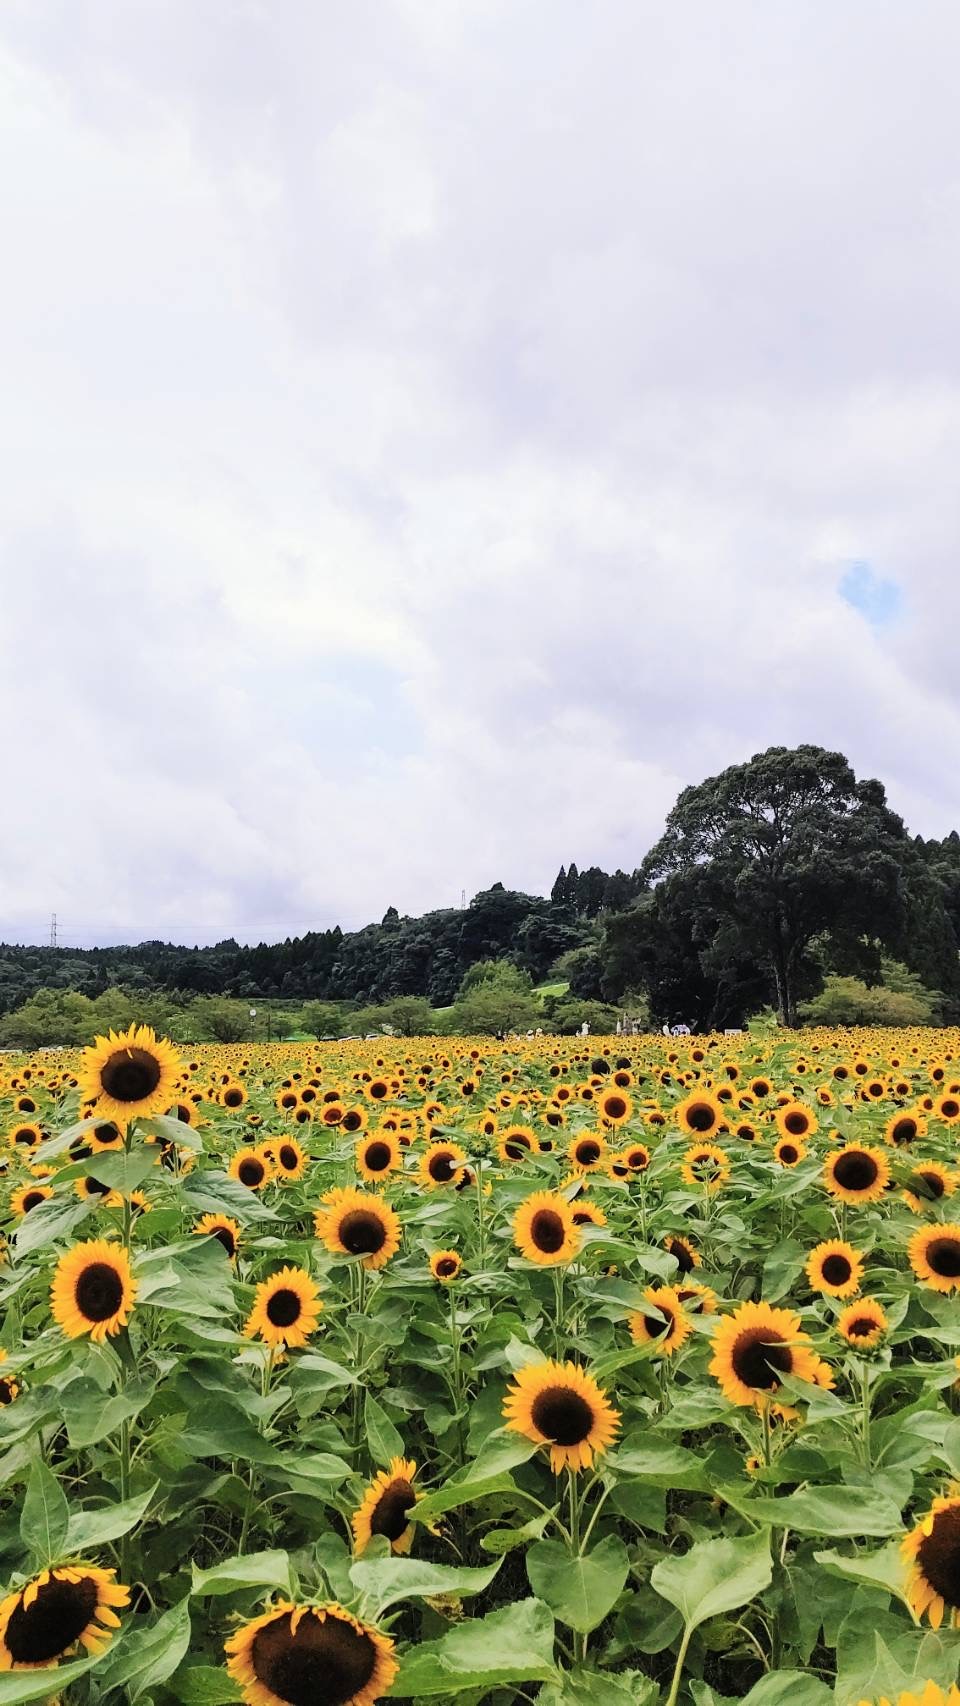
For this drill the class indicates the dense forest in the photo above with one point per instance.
(771, 883)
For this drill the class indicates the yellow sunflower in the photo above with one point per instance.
(385, 1507)
(614, 1106)
(665, 1325)
(93, 1290)
(901, 1129)
(588, 1152)
(296, 1654)
(931, 1553)
(445, 1265)
(862, 1324)
(699, 1115)
(251, 1167)
(926, 1185)
(9, 1387)
(54, 1613)
(684, 1252)
(757, 1344)
(516, 1142)
(789, 1152)
(286, 1309)
(560, 1405)
(544, 1229)
(442, 1164)
(358, 1223)
(856, 1173)
(28, 1197)
(24, 1136)
(796, 1121)
(934, 1255)
(221, 1227)
(288, 1159)
(834, 1268)
(378, 1155)
(129, 1075)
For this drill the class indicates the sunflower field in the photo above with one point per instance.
(613, 1371)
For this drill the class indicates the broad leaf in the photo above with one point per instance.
(714, 1576)
(385, 1581)
(512, 1645)
(579, 1591)
(45, 1516)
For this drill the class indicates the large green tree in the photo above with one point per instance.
(773, 854)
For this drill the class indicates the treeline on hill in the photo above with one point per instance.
(782, 882)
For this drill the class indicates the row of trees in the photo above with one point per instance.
(769, 880)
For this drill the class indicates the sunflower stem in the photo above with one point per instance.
(573, 1490)
(481, 1222)
(558, 1312)
(678, 1667)
(457, 1370)
(865, 1413)
(643, 1210)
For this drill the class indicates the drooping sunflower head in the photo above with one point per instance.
(664, 1323)
(442, 1164)
(934, 1255)
(685, 1254)
(385, 1508)
(834, 1268)
(129, 1075)
(59, 1610)
(93, 1290)
(358, 1223)
(588, 1214)
(221, 1227)
(755, 1346)
(377, 1155)
(560, 1405)
(931, 1553)
(310, 1655)
(445, 1265)
(856, 1173)
(285, 1310)
(544, 1229)
(706, 1166)
(862, 1324)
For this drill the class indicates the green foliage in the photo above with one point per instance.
(848, 1001)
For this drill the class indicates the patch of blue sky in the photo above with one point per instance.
(878, 600)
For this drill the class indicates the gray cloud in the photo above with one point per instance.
(433, 435)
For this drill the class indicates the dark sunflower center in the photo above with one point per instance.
(130, 1075)
(362, 1232)
(588, 1152)
(442, 1167)
(637, 1159)
(378, 1156)
(759, 1355)
(7, 1391)
(378, 1090)
(943, 1255)
(225, 1237)
(614, 1107)
(939, 1556)
(797, 1123)
(182, 1113)
(547, 1230)
(789, 1153)
(99, 1291)
(446, 1266)
(929, 1184)
(283, 1308)
(326, 1663)
(562, 1415)
(251, 1171)
(289, 1159)
(51, 1624)
(904, 1131)
(682, 1254)
(390, 1514)
(862, 1326)
(661, 1325)
(31, 1200)
(25, 1134)
(836, 1270)
(233, 1098)
(701, 1117)
(856, 1171)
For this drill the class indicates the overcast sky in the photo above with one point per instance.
(436, 431)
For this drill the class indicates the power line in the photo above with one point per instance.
(53, 929)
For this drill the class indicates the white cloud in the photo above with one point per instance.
(432, 436)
